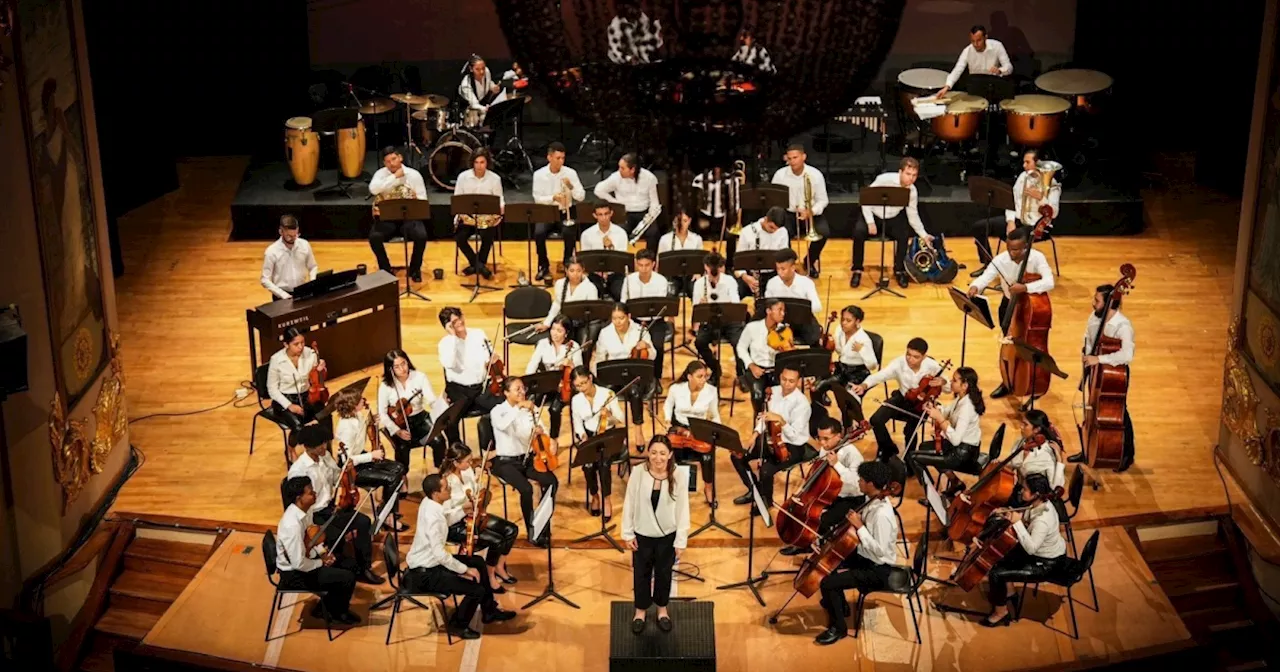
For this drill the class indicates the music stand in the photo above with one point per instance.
(761, 198)
(604, 450)
(884, 198)
(717, 316)
(980, 312)
(763, 261)
(757, 509)
(330, 121)
(682, 264)
(404, 210)
(542, 382)
(586, 312)
(530, 214)
(476, 205)
(994, 89)
(717, 435)
(606, 261)
(449, 418)
(849, 405)
(811, 362)
(546, 508)
(994, 194)
(1039, 359)
(615, 374)
(799, 312)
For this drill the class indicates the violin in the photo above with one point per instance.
(925, 391)
(497, 376)
(781, 338)
(479, 516)
(1106, 390)
(773, 433)
(798, 526)
(681, 437)
(317, 393)
(544, 458)
(398, 412)
(826, 341)
(641, 351)
(345, 494)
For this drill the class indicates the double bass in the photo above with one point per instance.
(967, 513)
(798, 524)
(1027, 320)
(1106, 389)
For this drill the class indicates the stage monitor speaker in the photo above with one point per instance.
(13, 353)
(689, 647)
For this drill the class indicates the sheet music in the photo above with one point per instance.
(935, 499)
(765, 513)
(542, 515)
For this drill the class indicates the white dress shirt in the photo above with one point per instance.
(801, 287)
(384, 181)
(635, 288)
(291, 544)
(473, 94)
(323, 474)
(966, 425)
(672, 514)
(284, 267)
(725, 290)
(585, 291)
(848, 457)
(878, 536)
(981, 62)
(866, 356)
(1054, 198)
(785, 177)
(429, 537)
(459, 483)
(388, 395)
(753, 345)
(547, 184)
(593, 238)
(285, 378)
(721, 190)
(512, 430)
(549, 355)
(754, 237)
(638, 195)
(669, 242)
(353, 434)
(1041, 538)
(898, 370)
(871, 212)
(611, 346)
(1118, 327)
(586, 412)
(681, 406)
(465, 361)
(1006, 269)
(1042, 459)
(490, 184)
(794, 408)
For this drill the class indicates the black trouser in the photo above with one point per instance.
(1130, 450)
(518, 472)
(414, 230)
(658, 334)
(296, 422)
(419, 428)
(652, 564)
(815, 248)
(896, 229)
(708, 336)
(338, 581)
(555, 410)
(388, 474)
(633, 220)
(885, 445)
(835, 513)
(963, 458)
(1020, 567)
(609, 286)
(487, 236)
(856, 572)
(599, 479)
(440, 579)
(769, 466)
(757, 386)
(569, 234)
(983, 229)
(690, 456)
(477, 398)
(351, 521)
(498, 535)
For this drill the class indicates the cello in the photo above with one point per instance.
(317, 393)
(1027, 320)
(840, 544)
(997, 538)
(798, 526)
(1106, 388)
(967, 513)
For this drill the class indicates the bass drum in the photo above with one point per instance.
(451, 157)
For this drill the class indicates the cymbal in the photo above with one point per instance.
(434, 102)
(356, 388)
(423, 101)
(377, 105)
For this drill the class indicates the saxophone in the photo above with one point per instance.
(397, 192)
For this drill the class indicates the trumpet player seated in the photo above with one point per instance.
(691, 397)
(623, 338)
(515, 423)
(680, 238)
(807, 199)
(303, 568)
(715, 287)
(554, 353)
(788, 411)
(957, 428)
(636, 189)
(766, 233)
(605, 235)
(907, 370)
(646, 283)
(1035, 201)
(574, 286)
(478, 180)
(874, 217)
(394, 181)
(788, 284)
(755, 353)
(496, 534)
(556, 184)
(594, 410)
(1041, 551)
(719, 200)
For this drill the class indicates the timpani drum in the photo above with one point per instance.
(1084, 88)
(351, 150)
(963, 117)
(301, 150)
(1034, 120)
(918, 82)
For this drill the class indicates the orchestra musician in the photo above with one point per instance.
(679, 238)
(287, 379)
(867, 568)
(352, 434)
(655, 526)
(844, 457)
(616, 341)
(318, 465)
(691, 396)
(556, 184)
(432, 569)
(574, 287)
(1005, 266)
(1120, 328)
(855, 354)
(604, 235)
(646, 283)
(553, 353)
(514, 424)
(714, 287)
(766, 233)
(1041, 552)
(591, 408)
(637, 189)
(754, 353)
(1044, 459)
(959, 424)
(394, 180)
(714, 202)
(807, 200)
(498, 535)
(406, 390)
(478, 88)
(907, 370)
(466, 355)
(983, 228)
(789, 406)
(288, 262)
(332, 575)
(478, 180)
(752, 53)
(908, 171)
(982, 56)
(788, 284)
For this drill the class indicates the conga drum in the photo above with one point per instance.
(918, 82)
(351, 149)
(1086, 89)
(301, 150)
(1034, 120)
(963, 117)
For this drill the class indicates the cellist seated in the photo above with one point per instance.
(496, 534)
(1039, 451)
(1041, 551)
(868, 567)
(787, 405)
(324, 473)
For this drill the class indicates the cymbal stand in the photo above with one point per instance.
(412, 150)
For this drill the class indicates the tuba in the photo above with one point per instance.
(1030, 207)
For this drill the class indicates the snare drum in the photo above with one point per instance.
(450, 158)
(472, 118)
(1086, 89)
(301, 150)
(428, 125)
(963, 117)
(918, 82)
(1034, 120)
(351, 148)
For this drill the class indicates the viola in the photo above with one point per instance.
(317, 393)
(826, 341)
(479, 516)
(641, 351)
(681, 437)
(398, 412)
(1028, 320)
(798, 526)
(773, 433)
(544, 458)
(1106, 390)
(345, 494)
(925, 391)
(566, 383)
(781, 338)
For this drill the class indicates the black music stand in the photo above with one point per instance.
(586, 312)
(718, 315)
(530, 214)
(718, 436)
(606, 261)
(980, 312)
(763, 261)
(476, 205)
(811, 362)
(757, 509)
(638, 373)
(799, 312)
(996, 195)
(762, 197)
(604, 450)
(652, 308)
(549, 591)
(682, 264)
(849, 405)
(404, 210)
(325, 122)
(1039, 359)
(884, 198)
(451, 416)
(542, 382)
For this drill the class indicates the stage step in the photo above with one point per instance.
(126, 624)
(150, 593)
(165, 558)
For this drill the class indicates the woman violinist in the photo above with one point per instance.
(1041, 550)
(497, 535)
(574, 286)
(554, 353)
(593, 410)
(403, 399)
(855, 355)
(957, 428)
(691, 396)
(622, 339)
(1038, 451)
(655, 526)
(287, 379)
(352, 433)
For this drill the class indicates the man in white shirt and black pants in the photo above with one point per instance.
(715, 287)
(637, 189)
(907, 370)
(788, 405)
(647, 283)
(465, 355)
(984, 228)
(793, 177)
(788, 284)
(766, 233)
(478, 180)
(981, 56)
(394, 180)
(288, 262)
(908, 171)
(312, 570)
(1117, 327)
(556, 184)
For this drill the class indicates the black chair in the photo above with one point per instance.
(1071, 573)
(1075, 489)
(877, 347)
(269, 558)
(266, 410)
(902, 581)
(391, 556)
(524, 306)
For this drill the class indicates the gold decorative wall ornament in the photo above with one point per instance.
(71, 452)
(109, 411)
(1258, 430)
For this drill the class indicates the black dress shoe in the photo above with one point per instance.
(485, 272)
(416, 276)
(348, 618)
(1078, 458)
(793, 550)
(1000, 391)
(743, 499)
(367, 576)
(470, 270)
(464, 633)
(1008, 618)
(830, 636)
(542, 274)
(497, 616)
(664, 624)
(637, 626)
(979, 271)
(813, 272)
(509, 580)
(902, 279)
(318, 612)
(856, 278)
(500, 590)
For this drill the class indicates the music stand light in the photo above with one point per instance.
(404, 210)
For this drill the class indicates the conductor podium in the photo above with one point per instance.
(690, 647)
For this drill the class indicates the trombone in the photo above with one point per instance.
(811, 235)
(738, 180)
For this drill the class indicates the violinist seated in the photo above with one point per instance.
(767, 233)
(692, 397)
(855, 360)
(594, 411)
(406, 393)
(432, 569)
(288, 375)
(788, 407)
(466, 355)
(757, 357)
(714, 287)
(1039, 451)
(957, 428)
(1001, 226)
(1006, 267)
(868, 568)
(554, 353)
(324, 473)
(1118, 327)
(574, 286)
(647, 283)
(514, 425)
(788, 284)
(497, 535)
(678, 239)
(844, 457)
(623, 338)
(907, 370)
(372, 469)
(605, 235)
(302, 569)
(1041, 551)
